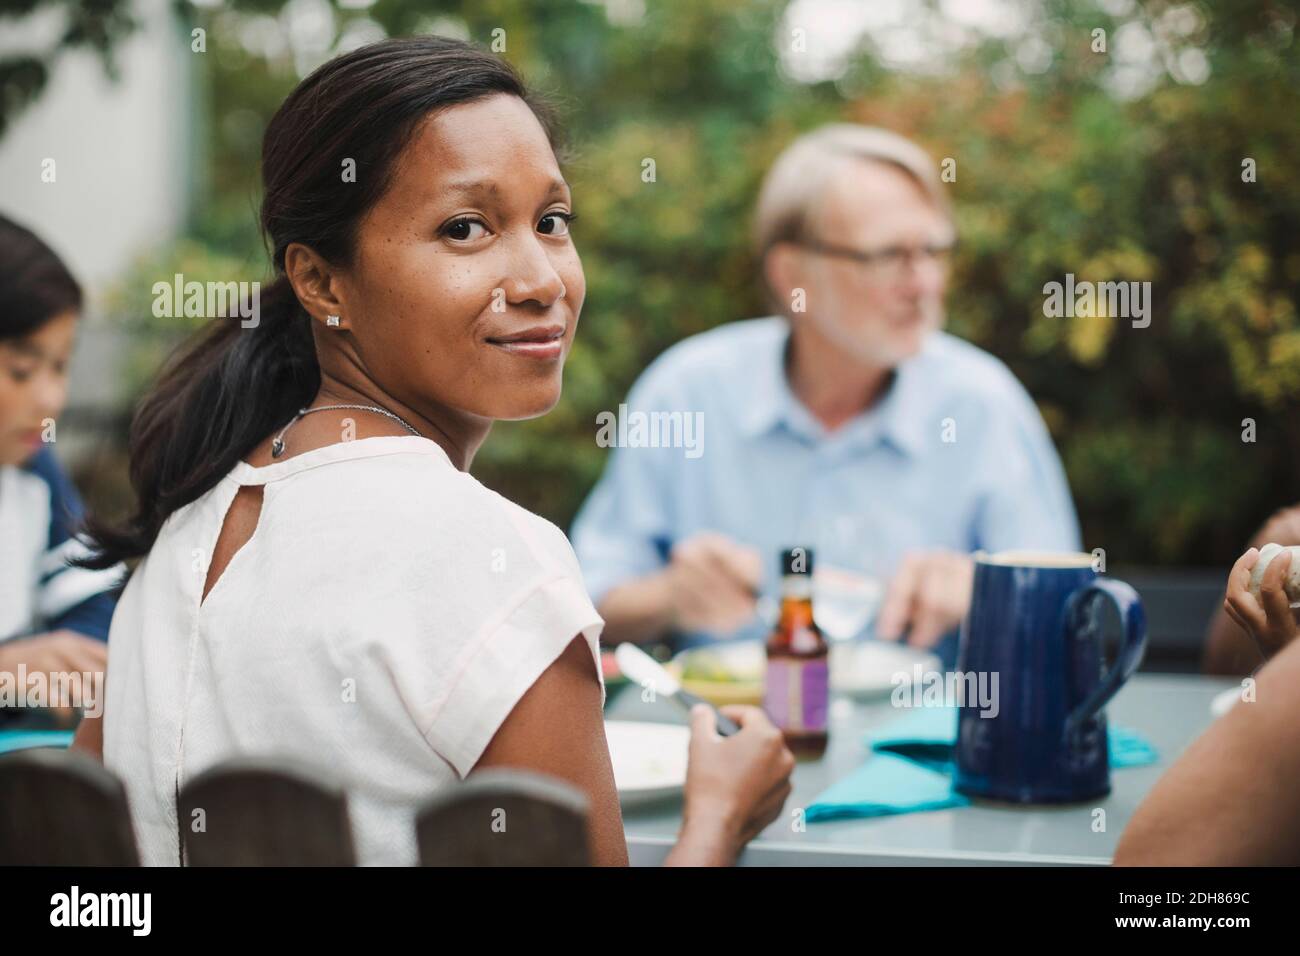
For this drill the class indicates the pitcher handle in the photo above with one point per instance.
(1134, 622)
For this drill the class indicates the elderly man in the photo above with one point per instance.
(848, 423)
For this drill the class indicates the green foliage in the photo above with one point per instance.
(1064, 178)
(98, 25)
(1055, 174)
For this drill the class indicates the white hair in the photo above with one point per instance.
(794, 185)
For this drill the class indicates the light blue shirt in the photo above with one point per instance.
(954, 455)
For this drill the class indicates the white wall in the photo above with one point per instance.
(122, 164)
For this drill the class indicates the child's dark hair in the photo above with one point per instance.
(230, 387)
(35, 285)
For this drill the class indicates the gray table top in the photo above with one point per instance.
(1169, 710)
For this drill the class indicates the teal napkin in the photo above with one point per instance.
(910, 769)
(11, 740)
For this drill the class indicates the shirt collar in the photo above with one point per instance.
(896, 419)
(769, 401)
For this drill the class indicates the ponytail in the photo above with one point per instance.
(220, 394)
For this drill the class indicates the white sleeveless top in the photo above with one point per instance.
(383, 620)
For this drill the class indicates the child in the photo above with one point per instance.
(53, 618)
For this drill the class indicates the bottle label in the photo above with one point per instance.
(797, 693)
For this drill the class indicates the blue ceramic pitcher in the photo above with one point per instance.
(1035, 623)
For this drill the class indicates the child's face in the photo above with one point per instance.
(468, 249)
(33, 385)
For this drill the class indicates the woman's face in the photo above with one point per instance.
(33, 386)
(466, 287)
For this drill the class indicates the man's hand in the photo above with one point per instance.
(1269, 620)
(927, 598)
(712, 582)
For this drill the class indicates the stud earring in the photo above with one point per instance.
(332, 321)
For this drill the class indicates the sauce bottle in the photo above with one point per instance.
(797, 692)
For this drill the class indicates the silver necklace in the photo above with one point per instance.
(277, 445)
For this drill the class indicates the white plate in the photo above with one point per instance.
(649, 759)
(866, 669)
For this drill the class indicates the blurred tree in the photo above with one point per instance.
(98, 25)
(1061, 172)
(1113, 160)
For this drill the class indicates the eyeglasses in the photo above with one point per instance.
(891, 262)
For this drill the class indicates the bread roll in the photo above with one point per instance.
(1292, 580)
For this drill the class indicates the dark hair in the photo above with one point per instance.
(35, 285)
(230, 387)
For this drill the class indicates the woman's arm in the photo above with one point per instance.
(735, 786)
(558, 729)
(1230, 800)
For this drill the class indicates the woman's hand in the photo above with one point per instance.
(735, 786)
(1268, 620)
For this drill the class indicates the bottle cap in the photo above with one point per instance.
(796, 561)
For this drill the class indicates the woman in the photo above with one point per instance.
(334, 585)
(53, 618)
